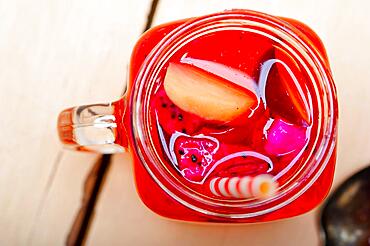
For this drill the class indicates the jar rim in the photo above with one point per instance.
(142, 141)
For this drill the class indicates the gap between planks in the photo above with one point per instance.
(46, 191)
(95, 179)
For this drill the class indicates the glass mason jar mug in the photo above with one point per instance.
(229, 117)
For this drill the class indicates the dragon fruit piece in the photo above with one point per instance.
(172, 118)
(283, 138)
(194, 155)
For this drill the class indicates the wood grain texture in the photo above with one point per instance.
(343, 26)
(54, 54)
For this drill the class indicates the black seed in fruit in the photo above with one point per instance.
(181, 152)
(180, 117)
(193, 158)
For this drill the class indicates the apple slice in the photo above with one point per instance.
(206, 95)
(233, 75)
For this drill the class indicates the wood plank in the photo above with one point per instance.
(122, 219)
(61, 200)
(53, 55)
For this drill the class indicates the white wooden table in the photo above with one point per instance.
(55, 54)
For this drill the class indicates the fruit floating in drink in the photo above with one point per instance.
(227, 119)
(241, 127)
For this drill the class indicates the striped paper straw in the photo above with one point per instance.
(260, 186)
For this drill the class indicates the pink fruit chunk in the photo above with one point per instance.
(194, 155)
(284, 138)
(171, 118)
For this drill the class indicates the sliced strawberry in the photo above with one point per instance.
(171, 118)
(283, 85)
(243, 166)
(238, 161)
(206, 95)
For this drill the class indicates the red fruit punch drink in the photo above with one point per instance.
(242, 115)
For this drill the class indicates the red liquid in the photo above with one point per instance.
(279, 127)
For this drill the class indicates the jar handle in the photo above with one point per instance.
(94, 127)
